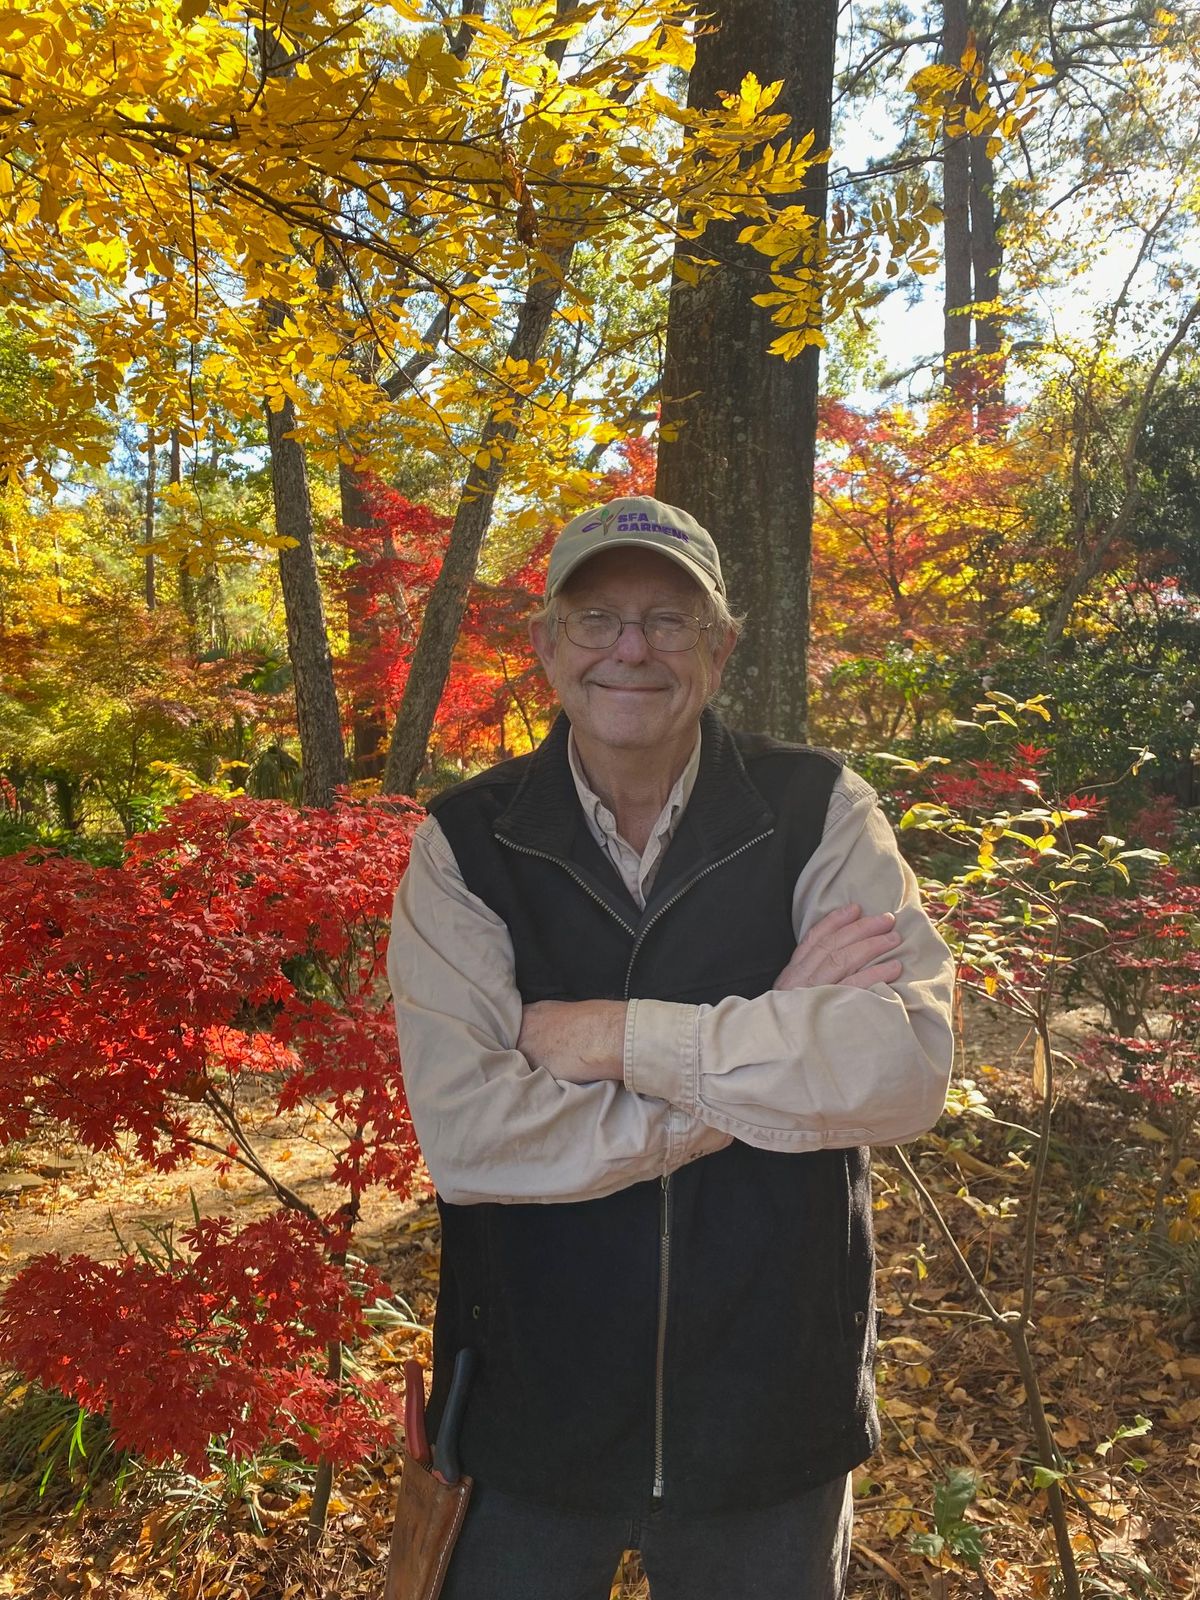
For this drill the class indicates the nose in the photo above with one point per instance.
(631, 646)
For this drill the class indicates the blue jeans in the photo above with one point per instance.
(798, 1549)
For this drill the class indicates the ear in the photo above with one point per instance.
(724, 649)
(719, 657)
(543, 635)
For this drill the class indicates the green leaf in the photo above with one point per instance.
(967, 1543)
(927, 1544)
(1139, 1426)
(1043, 1477)
(952, 1497)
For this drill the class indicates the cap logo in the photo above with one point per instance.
(638, 522)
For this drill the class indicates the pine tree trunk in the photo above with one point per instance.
(956, 204)
(742, 458)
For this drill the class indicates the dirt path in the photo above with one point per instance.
(77, 1209)
(63, 1199)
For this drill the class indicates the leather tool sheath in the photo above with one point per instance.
(429, 1515)
(432, 1500)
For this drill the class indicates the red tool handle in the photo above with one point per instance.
(414, 1413)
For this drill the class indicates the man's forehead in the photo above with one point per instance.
(617, 568)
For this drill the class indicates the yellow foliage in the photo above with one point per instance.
(957, 100)
(159, 192)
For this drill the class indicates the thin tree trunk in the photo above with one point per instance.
(448, 599)
(322, 754)
(149, 518)
(187, 584)
(740, 424)
(956, 205)
(368, 723)
(987, 258)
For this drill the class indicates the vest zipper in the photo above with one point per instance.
(664, 1212)
(544, 855)
(678, 896)
(660, 1348)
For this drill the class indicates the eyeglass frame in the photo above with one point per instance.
(632, 622)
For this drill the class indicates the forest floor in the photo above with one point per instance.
(1117, 1342)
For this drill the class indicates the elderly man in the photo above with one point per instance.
(657, 985)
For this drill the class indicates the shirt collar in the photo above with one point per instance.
(600, 819)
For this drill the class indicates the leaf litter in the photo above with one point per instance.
(952, 1506)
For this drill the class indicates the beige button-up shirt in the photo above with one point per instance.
(796, 1069)
(637, 872)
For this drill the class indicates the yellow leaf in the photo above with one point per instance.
(1147, 1130)
(108, 255)
(1039, 1066)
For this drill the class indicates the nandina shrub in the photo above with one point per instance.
(1142, 962)
(241, 941)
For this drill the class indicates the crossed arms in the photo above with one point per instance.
(573, 1100)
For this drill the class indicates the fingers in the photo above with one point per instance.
(884, 972)
(853, 957)
(832, 921)
(843, 946)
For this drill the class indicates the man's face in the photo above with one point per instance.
(628, 696)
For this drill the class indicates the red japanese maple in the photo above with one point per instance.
(243, 940)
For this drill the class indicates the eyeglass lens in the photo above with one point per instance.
(593, 629)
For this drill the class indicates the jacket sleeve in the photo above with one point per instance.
(491, 1127)
(801, 1069)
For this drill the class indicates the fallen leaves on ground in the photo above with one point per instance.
(1116, 1346)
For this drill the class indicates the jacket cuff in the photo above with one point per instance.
(661, 1054)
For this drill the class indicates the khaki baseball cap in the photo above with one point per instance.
(637, 522)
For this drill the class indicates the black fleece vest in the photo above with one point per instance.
(710, 1337)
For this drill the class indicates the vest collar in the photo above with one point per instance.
(725, 809)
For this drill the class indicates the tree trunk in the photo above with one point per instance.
(368, 724)
(322, 754)
(448, 598)
(956, 205)
(987, 256)
(148, 519)
(744, 422)
(187, 584)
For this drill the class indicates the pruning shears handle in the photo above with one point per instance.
(445, 1450)
(414, 1412)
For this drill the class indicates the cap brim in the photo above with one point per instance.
(693, 569)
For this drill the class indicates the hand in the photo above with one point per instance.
(576, 1041)
(844, 948)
